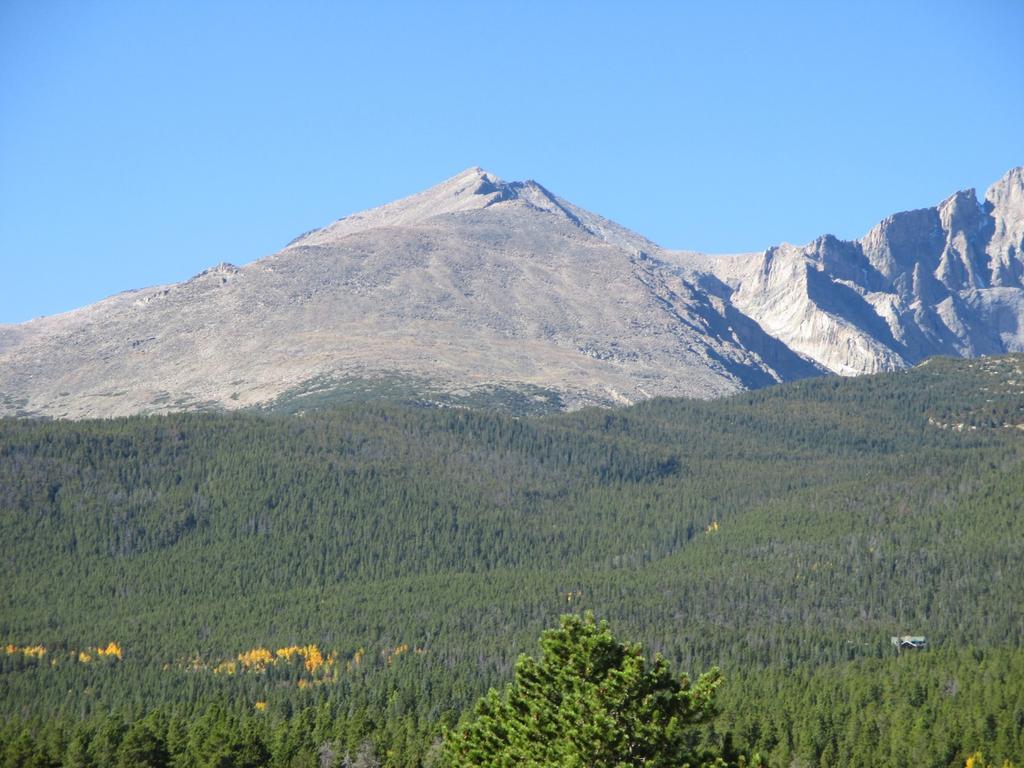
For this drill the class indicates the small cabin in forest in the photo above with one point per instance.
(909, 642)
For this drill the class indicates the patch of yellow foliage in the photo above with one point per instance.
(32, 651)
(257, 658)
(260, 706)
(320, 668)
(314, 659)
(112, 649)
(85, 656)
(977, 760)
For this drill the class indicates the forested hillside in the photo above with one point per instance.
(352, 578)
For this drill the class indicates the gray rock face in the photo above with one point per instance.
(479, 283)
(943, 280)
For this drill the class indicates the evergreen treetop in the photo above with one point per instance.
(589, 700)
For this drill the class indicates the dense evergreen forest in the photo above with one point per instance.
(336, 587)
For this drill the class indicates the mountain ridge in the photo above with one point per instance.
(936, 277)
(478, 284)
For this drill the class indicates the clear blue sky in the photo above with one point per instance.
(141, 142)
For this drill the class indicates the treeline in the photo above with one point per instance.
(922, 709)
(314, 737)
(780, 532)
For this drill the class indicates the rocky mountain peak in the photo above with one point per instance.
(472, 189)
(961, 211)
(480, 285)
(1009, 190)
(900, 241)
(1004, 204)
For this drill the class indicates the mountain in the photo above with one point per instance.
(947, 280)
(480, 291)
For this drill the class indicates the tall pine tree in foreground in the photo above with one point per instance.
(589, 701)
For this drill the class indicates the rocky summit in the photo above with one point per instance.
(479, 290)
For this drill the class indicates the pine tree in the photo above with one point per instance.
(588, 701)
(143, 747)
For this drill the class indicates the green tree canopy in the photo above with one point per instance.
(592, 701)
(143, 746)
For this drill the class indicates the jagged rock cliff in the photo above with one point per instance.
(942, 280)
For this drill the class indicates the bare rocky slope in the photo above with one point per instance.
(479, 290)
